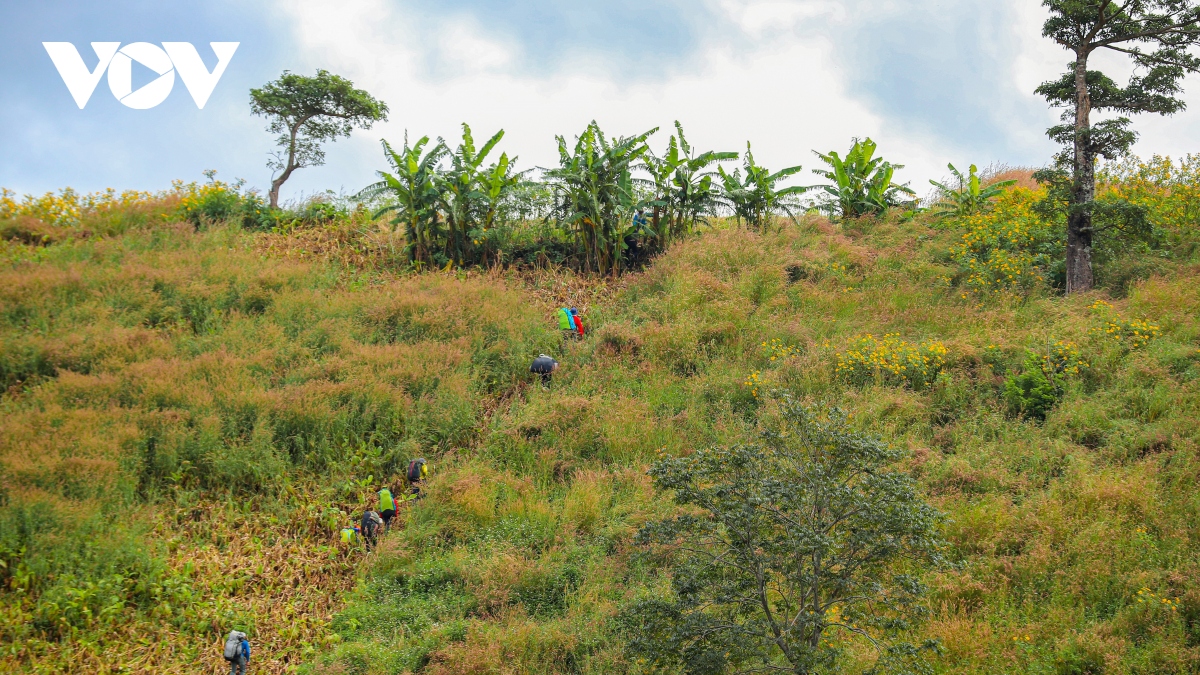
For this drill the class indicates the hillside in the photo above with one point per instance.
(192, 413)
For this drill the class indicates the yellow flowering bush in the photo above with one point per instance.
(68, 208)
(217, 201)
(1169, 191)
(1130, 333)
(891, 360)
(753, 382)
(8, 205)
(1063, 358)
(1007, 249)
(777, 350)
(1145, 596)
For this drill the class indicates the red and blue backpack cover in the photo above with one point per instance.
(569, 319)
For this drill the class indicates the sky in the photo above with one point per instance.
(931, 81)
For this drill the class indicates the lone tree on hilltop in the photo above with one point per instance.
(307, 111)
(785, 552)
(1156, 36)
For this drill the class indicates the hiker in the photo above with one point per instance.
(371, 522)
(544, 366)
(570, 321)
(417, 471)
(237, 652)
(387, 508)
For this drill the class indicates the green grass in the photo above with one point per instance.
(197, 398)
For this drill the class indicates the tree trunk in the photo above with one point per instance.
(273, 194)
(1079, 219)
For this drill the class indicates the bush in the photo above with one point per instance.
(217, 202)
(1009, 249)
(1031, 393)
(1128, 333)
(890, 360)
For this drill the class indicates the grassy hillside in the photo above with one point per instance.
(190, 416)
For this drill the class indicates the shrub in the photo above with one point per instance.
(1039, 386)
(1169, 192)
(1131, 333)
(217, 201)
(890, 360)
(788, 560)
(1008, 249)
(106, 212)
(1031, 393)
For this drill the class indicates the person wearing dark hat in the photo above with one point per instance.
(544, 366)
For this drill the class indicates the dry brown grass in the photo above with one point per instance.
(998, 172)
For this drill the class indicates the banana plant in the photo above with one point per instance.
(754, 197)
(595, 193)
(971, 196)
(497, 188)
(861, 182)
(684, 192)
(462, 196)
(412, 193)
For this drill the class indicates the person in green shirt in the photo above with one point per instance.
(387, 508)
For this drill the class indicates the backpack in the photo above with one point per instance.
(386, 502)
(564, 319)
(417, 470)
(233, 645)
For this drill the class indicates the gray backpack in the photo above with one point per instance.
(233, 645)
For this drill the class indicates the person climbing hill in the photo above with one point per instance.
(371, 523)
(237, 652)
(544, 366)
(418, 469)
(570, 321)
(387, 508)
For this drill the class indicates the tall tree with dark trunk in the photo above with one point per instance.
(1155, 35)
(307, 111)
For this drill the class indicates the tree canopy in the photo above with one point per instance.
(1156, 36)
(785, 551)
(307, 111)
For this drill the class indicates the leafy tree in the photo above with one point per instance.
(786, 551)
(413, 192)
(754, 197)
(970, 196)
(307, 111)
(1156, 36)
(683, 187)
(862, 183)
(595, 194)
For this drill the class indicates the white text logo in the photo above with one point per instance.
(171, 58)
